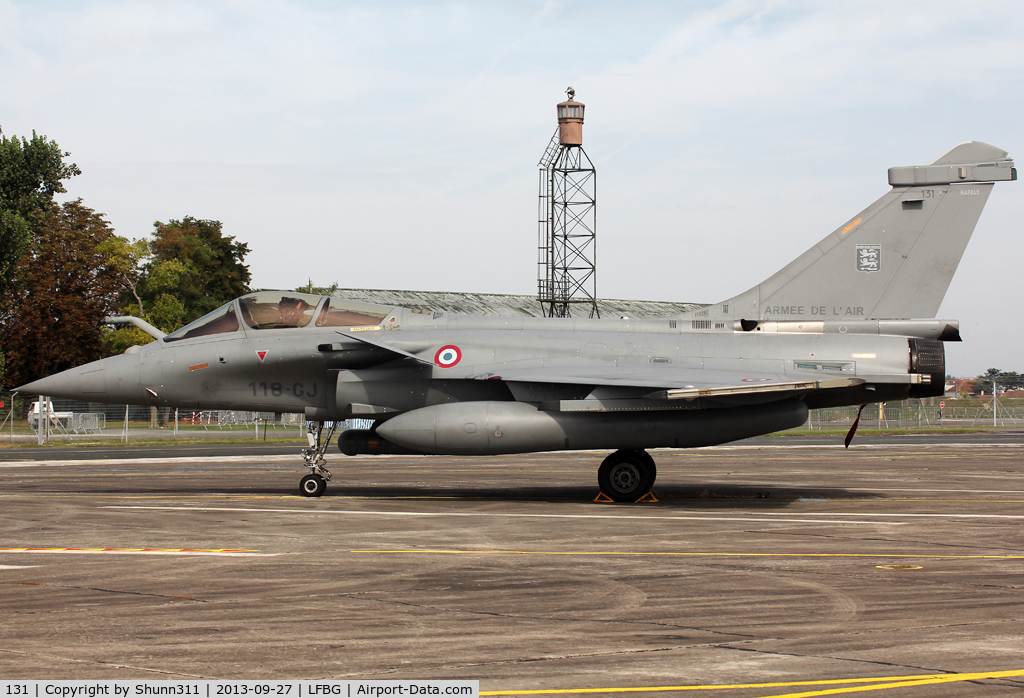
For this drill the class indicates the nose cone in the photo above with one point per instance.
(109, 380)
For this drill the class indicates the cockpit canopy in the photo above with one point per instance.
(276, 310)
(273, 310)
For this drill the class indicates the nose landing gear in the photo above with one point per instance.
(315, 484)
(312, 485)
(627, 475)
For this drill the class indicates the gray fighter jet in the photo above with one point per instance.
(849, 322)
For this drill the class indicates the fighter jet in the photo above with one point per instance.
(849, 322)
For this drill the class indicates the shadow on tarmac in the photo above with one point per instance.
(688, 496)
(700, 496)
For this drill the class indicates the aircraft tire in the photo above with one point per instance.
(312, 486)
(625, 476)
(649, 460)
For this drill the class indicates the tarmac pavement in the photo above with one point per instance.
(774, 566)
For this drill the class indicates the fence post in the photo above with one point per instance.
(40, 421)
(995, 404)
(13, 395)
(126, 423)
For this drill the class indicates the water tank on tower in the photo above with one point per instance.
(570, 121)
(567, 239)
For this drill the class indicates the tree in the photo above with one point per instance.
(62, 288)
(1007, 380)
(127, 257)
(196, 264)
(31, 172)
(1010, 380)
(318, 290)
(187, 269)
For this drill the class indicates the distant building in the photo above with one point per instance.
(960, 386)
(508, 305)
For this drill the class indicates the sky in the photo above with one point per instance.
(395, 144)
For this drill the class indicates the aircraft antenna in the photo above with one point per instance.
(567, 224)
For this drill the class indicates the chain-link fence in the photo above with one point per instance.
(916, 414)
(20, 419)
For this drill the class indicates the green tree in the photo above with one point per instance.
(62, 288)
(187, 269)
(128, 258)
(318, 290)
(31, 172)
(1011, 380)
(1008, 380)
(196, 264)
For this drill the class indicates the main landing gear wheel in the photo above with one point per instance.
(627, 475)
(312, 486)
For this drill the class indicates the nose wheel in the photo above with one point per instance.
(315, 484)
(312, 485)
(627, 475)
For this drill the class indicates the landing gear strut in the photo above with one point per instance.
(315, 484)
(627, 475)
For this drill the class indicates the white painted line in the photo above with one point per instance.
(917, 489)
(153, 461)
(352, 459)
(128, 551)
(933, 516)
(338, 512)
(853, 448)
(16, 567)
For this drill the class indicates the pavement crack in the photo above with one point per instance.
(873, 662)
(938, 583)
(107, 591)
(546, 658)
(40, 655)
(516, 616)
(987, 549)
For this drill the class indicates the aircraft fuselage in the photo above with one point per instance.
(329, 375)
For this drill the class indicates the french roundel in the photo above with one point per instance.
(448, 356)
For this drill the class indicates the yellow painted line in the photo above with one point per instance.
(851, 226)
(954, 678)
(694, 554)
(873, 681)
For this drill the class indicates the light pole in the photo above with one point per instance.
(995, 403)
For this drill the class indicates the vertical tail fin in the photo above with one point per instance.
(895, 258)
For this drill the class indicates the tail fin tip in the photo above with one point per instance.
(971, 152)
(970, 161)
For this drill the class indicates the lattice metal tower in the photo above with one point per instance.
(567, 239)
